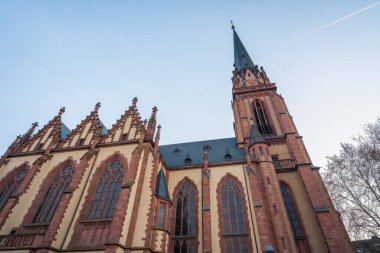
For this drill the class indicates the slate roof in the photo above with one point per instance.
(64, 131)
(256, 136)
(161, 187)
(104, 129)
(191, 153)
(242, 58)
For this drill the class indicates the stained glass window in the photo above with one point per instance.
(53, 195)
(185, 229)
(233, 218)
(292, 212)
(11, 186)
(107, 192)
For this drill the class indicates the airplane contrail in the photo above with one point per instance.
(340, 19)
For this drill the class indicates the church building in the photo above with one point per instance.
(117, 190)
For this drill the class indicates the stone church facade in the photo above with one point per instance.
(116, 190)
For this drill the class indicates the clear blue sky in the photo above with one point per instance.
(178, 55)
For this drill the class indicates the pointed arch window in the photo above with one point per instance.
(11, 185)
(234, 230)
(292, 211)
(107, 192)
(186, 220)
(53, 195)
(261, 117)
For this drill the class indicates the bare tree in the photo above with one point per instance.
(353, 180)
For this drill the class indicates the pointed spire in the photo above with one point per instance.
(161, 186)
(242, 58)
(58, 125)
(152, 124)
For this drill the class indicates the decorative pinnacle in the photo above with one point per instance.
(158, 132)
(61, 111)
(134, 101)
(30, 131)
(97, 106)
(232, 25)
(153, 115)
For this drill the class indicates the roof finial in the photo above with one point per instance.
(97, 106)
(34, 125)
(30, 131)
(232, 25)
(134, 101)
(61, 111)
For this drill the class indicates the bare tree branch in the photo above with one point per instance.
(353, 179)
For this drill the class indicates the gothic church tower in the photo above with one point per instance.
(285, 185)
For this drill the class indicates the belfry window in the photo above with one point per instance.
(261, 117)
(185, 228)
(292, 211)
(53, 195)
(235, 237)
(107, 192)
(11, 185)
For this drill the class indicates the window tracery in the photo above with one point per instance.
(107, 192)
(53, 195)
(292, 211)
(185, 227)
(11, 186)
(234, 232)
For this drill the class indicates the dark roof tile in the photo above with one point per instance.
(178, 155)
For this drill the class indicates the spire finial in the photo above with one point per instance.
(61, 111)
(134, 101)
(232, 26)
(97, 106)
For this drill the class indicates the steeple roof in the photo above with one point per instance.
(256, 136)
(161, 187)
(242, 58)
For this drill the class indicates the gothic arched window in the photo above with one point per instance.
(185, 228)
(11, 185)
(261, 117)
(292, 211)
(233, 217)
(53, 195)
(107, 192)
